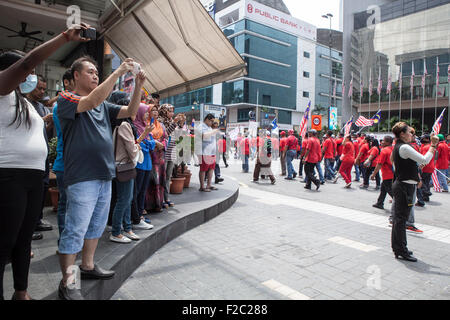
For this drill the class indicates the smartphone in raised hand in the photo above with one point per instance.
(89, 33)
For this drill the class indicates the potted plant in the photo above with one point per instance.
(177, 185)
(54, 193)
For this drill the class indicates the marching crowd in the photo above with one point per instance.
(409, 167)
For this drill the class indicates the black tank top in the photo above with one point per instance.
(405, 169)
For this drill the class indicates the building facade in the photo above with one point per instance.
(404, 42)
(280, 52)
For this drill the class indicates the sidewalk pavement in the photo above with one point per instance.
(192, 208)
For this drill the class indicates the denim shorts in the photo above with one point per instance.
(86, 214)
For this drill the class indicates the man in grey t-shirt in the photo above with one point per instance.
(89, 166)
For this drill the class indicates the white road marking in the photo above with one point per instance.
(430, 232)
(285, 290)
(353, 244)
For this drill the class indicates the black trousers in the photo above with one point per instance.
(310, 174)
(403, 202)
(300, 167)
(367, 175)
(224, 158)
(21, 193)
(386, 188)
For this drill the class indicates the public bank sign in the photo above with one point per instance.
(279, 20)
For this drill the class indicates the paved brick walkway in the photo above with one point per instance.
(282, 242)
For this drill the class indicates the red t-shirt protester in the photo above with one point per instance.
(442, 160)
(245, 147)
(315, 153)
(283, 144)
(348, 153)
(356, 146)
(329, 148)
(384, 159)
(429, 168)
(347, 161)
(374, 152)
(304, 145)
(340, 146)
(292, 143)
(364, 152)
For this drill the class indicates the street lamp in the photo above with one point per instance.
(329, 16)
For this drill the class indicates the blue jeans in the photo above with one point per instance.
(442, 179)
(61, 202)
(122, 210)
(329, 171)
(320, 172)
(86, 214)
(357, 172)
(290, 155)
(337, 163)
(245, 163)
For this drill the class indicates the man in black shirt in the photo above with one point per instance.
(35, 97)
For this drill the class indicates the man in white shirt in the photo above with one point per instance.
(208, 152)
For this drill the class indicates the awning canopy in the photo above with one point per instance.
(177, 43)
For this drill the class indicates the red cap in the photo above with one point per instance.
(282, 133)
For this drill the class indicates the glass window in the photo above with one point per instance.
(305, 94)
(243, 114)
(306, 54)
(306, 74)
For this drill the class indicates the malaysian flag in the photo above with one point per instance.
(361, 84)
(437, 125)
(348, 127)
(343, 88)
(411, 83)
(370, 84)
(364, 122)
(425, 72)
(380, 83)
(334, 88)
(350, 89)
(436, 184)
(304, 123)
(389, 85)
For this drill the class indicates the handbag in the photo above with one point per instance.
(124, 172)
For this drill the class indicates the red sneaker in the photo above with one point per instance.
(414, 229)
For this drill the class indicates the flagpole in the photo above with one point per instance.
(389, 121)
(401, 87)
(370, 93)
(423, 96)
(379, 94)
(437, 86)
(412, 90)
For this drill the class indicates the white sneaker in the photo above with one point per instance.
(122, 239)
(131, 235)
(142, 226)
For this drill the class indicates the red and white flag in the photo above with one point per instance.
(437, 125)
(436, 184)
(425, 73)
(380, 83)
(304, 123)
(334, 88)
(389, 85)
(361, 84)
(364, 122)
(350, 89)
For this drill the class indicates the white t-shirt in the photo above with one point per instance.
(208, 144)
(22, 147)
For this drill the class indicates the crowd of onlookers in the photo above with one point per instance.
(115, 156)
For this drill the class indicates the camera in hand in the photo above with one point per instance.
(90, 33)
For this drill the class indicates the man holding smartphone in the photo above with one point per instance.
(89, 166)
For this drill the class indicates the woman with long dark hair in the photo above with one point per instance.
(406, 161)
(23, 151)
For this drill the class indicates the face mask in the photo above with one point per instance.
(29, 85)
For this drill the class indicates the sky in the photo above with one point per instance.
(312, 11)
